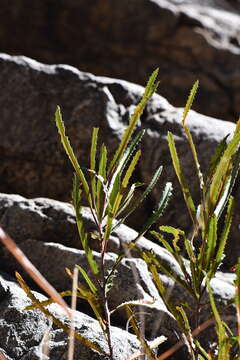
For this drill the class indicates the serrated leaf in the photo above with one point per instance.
(222, 175)
(185, 190)
(209, 252)
(80, 225)
(149, 188)
(93, 148)
(149, 90)
(167, 192)
(237, 298)
(223, 341)
(69, 151)
(190, 101)
(221, 147)
(163, 241)
(224, 236)
(119, 196)
(188, 331)
(93, 161)
(102, 192)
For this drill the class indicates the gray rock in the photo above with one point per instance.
(131, 283)
(187, 39)
(39, 167)
(21, 331)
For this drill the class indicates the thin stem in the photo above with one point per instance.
(103, 287)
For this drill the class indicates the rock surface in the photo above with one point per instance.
(21, 332)
(39, 167)
(187, 39)
(132, 281)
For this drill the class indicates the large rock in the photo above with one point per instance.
(21, 332)
(33, 163)
(187, 39)
(132, 280)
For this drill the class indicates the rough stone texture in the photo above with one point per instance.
(22, 331)
(48, 220)
(132, 282)
(187, 39)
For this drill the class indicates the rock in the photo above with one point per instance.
(132, 281)
(187, 39)
(39, 166)
(48, 220)
(21, 332)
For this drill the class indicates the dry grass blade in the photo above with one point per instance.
(32, 270)
(179, 344)
(2, 357)
(73, 307)
(44, 345)
(152, 344)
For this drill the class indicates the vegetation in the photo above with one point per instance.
(110, 193)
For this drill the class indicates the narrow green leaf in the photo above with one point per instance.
(229, 185)
(119, 196)
(190, 101)
(95, 304)
(223, 236)
(80, 225)
(209, 253)
(149, 90)
(124, 160)
(223, 340)
(150, 258)
(93, 162)
(188, 331)
(127, 199)
(101, 188)
(213, 305)
(67, 146)
(131, 168)
(93, 148)
(176, 250)
(167, 192)
(149, 188)
(221, 147)
(163, 241)
(222, 175)
(237, 299)
(103, 162)
(88, 280)
(115, 190)
(195, 158)
(186, 192)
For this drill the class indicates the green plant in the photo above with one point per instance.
(107, 188)
(205, 247)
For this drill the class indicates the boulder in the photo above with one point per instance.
(187, 39)
(37, 166)
(21, 331)
(132, 281)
